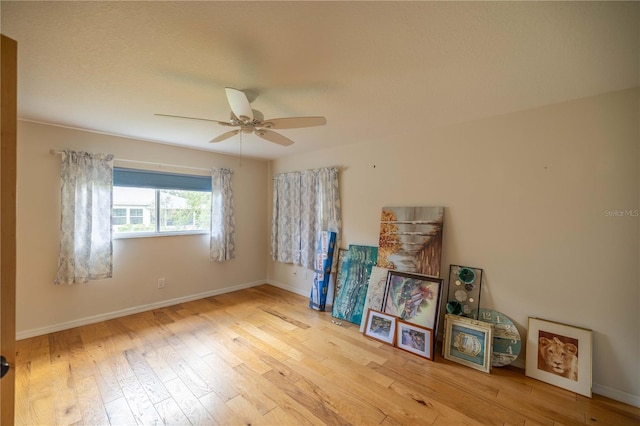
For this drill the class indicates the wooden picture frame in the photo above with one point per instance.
(414, 298)
(560, 354)
(381, 327)
(415, 339)
(468, 342)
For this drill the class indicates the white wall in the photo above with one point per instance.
(525, 196)
(138, 262)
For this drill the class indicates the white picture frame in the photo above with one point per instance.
(560, 354)
(381, 326)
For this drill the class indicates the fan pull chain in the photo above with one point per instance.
(241, 147)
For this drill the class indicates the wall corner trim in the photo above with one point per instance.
(288, 288)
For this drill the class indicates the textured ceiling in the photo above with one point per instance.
(377, 70)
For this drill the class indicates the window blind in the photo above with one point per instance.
(160, 180)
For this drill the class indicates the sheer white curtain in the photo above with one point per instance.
(223, 225)
(304, 204)
(285, 225)
(85, 225)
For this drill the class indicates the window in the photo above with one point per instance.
(136, 216)
(157, 203)
(119, 216)
(184, 210)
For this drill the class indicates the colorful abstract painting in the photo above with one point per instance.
(411, 239)
(348, 304)
(413, 298)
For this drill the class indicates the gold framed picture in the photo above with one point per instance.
(468, 342)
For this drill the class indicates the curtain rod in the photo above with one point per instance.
(54, 152)
(340, 168)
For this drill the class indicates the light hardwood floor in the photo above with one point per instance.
(261, 356)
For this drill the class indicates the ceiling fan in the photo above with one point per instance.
(248, 120)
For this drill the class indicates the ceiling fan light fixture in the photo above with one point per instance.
(248, 120)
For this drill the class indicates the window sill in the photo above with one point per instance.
(127, 235)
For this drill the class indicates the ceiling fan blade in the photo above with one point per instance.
(293, 122)
(224, 136)
(224, 123)
(273, 137)
(239, 103)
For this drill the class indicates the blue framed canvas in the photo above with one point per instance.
(322, 267)
(356, 269)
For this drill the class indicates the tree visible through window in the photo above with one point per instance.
(184, 210)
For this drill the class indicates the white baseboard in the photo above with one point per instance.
(288, 288)
(129, 311)
(625, 397)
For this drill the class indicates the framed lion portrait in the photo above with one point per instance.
(559, 354)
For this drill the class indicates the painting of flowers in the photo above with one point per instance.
(413, 298)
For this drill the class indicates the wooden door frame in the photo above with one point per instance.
(8, 159)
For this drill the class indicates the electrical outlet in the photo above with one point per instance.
(161, 282)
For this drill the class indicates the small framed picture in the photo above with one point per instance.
(468, 342)
(559, 354)
(381, 326)
(415, 339)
